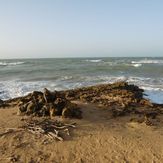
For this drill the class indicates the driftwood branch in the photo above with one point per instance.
(47, 128)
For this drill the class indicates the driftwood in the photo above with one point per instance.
(49, 129)
(64, 126)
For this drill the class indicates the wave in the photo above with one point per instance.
(137, 64)
(11, 63)
(154, 94)
(10, 89)
(146, 61)
(94, 60)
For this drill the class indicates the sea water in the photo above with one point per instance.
(18, 77)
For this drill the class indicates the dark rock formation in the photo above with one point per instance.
(1, 102)
(120, 98)
(120, 93)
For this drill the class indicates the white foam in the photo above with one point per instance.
(11, 89)
(156, 96)
(147, 61)
(94, 60)
(137, 64)
(10, 63)
(15, 88)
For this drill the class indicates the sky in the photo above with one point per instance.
(81, 28)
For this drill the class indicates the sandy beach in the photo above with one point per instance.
(98, 137)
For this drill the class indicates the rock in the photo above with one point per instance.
(1, 101)
(48, 96)
(54, 111)
(60, 103)
(31, 108)
(120, 98)
(71, 111)
(120, 92)
(67, 112)
(151, 114)
(22, 109)
(47, 104)
(70, 94)
(145, 102)
(44, 111)
(36, 94)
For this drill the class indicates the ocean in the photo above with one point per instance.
(18, 77)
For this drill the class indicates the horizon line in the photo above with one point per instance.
(81, 57)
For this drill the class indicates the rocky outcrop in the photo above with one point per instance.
(1, 102)
(120, 93)
(120, 98)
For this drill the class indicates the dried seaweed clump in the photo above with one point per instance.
(48, 103)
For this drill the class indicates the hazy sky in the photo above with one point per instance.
(80, 28)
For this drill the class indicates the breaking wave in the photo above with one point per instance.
(137, 64)
(94, 60)
(11, 63)
(11, 89)
(146, 61)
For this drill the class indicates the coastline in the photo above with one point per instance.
(113, 128)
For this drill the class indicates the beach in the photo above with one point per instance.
(81, 81)
(107, 132)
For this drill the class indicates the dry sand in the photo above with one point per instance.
(98, 138)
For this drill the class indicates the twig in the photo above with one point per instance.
(65, 126)
(56, 136)
(67, 131)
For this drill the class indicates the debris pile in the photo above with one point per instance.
(51, 130)
(47, 104)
